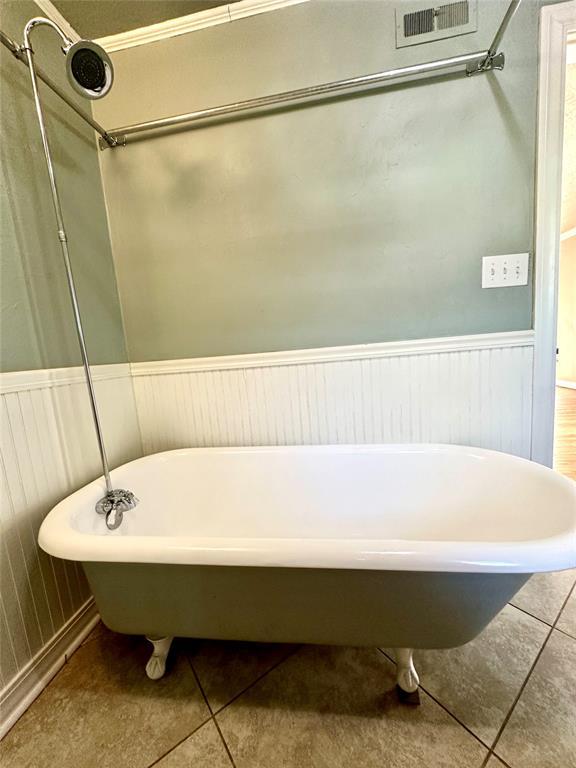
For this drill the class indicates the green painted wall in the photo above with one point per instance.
(37, 329)
(362, 220)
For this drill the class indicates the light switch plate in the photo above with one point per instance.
(505, 271)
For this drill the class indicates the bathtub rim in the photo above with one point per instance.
(58, 538)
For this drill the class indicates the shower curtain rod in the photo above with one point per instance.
(19, 54)
(474, 63)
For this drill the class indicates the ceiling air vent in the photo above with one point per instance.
(418, 22)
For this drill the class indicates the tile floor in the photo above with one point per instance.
(506, 699)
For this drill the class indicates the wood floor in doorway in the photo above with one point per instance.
(565, 432)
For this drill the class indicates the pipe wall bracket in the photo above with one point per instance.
(111, 142)
(486, 65)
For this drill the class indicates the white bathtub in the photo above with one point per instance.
(404, 546)
(378, 507)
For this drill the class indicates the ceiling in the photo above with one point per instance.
(99, 18)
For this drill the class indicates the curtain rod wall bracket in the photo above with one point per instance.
(111, 142)
(490, 62)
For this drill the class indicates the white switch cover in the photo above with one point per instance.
(505, 271)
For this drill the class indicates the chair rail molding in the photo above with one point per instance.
(337, 354)
(43, 378)
(474, 390)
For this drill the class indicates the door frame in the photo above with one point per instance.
(556, 23)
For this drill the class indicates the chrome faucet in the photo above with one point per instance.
(114, 504)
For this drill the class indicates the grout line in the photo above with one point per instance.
(202, 724)
(258, 679)
(532, 615)
(224, 742)
(253, 683)
(492, 754)
(199, 684)
(452, 715)
(197, 678)
(563, 632)
(528, 676)
(213, 714)
(548, 623)
(192, 732)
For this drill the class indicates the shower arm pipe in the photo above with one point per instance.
(474, 63)
(20, 55)
(512, 8)
(63, 240)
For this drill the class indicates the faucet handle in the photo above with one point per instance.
(114, 504)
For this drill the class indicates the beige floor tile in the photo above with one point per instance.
(204, 749)
(479, 681)
(338, 708)
(101, 711)
(495, 762)
(567, 620)
(541, 732)
(225, 669)
(544, 594)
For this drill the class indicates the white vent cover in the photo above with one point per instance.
(423, 22)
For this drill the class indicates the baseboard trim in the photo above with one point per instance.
(566, 383)
(337, 354)
(19, 694)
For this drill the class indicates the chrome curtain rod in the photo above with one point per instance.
(20, 55)
(303, 95)
(473, 63)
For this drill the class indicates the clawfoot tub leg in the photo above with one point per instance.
(157, 662)
(407, 680)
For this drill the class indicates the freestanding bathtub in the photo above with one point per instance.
(403, 546)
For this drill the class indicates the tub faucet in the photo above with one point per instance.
(114, 504)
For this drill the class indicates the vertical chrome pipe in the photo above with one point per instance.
(511, 10)
(64, 243)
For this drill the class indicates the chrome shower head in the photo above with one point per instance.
(89, 69)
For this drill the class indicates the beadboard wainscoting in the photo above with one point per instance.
(48, 449)
(472, 390)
